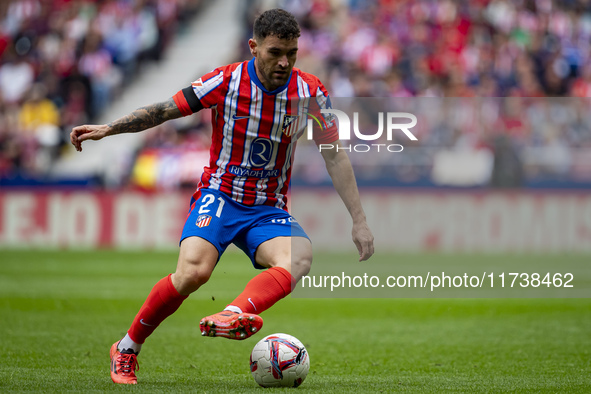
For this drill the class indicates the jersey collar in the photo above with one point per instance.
(255, 78)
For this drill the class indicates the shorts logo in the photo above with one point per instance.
(203, 221)
(197, 83)
(289, 127)
(284, 221)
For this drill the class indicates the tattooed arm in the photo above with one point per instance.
(141, 119)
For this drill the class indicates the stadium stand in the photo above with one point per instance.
(64, 62)
(458, 48)
(518, 54)
(202, 43)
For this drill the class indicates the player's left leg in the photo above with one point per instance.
(273, 240)
(294, 254)
(287, 260)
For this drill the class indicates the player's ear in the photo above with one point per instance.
(252, 44)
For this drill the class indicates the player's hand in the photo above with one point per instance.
(363, 239)
(87, 132)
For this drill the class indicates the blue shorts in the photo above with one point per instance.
(220, 220)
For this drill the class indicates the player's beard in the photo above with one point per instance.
(278, 79)
(269, 73)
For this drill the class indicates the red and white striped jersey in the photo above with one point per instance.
(255, 130)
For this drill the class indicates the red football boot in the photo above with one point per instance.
(123, 365)
(231, 325)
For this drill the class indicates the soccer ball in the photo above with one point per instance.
(279, 360)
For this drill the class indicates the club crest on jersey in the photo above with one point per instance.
(203, 221)
(289, 124)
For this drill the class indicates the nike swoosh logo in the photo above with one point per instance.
(239, 117)
(146, 324)
(252, 303)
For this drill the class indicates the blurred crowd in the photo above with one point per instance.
(466, 141)
(461, 48)
(519, 53)
(63, 61)
(451, 48)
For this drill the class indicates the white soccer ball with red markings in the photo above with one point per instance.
(279, 360)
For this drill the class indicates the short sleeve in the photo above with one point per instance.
(203, 93)
(208, 88)
(328, 132)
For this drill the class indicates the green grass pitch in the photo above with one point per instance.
(61, 311)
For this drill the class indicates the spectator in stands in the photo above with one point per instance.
(39, 119)
(16, 77)
(96, 64)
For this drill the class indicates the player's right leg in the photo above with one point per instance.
(197, 259)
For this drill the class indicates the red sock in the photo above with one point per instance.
(264, 290)
(162, 302)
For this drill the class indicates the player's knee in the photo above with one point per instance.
(301, 266)
(301, 260)
(191, 275)
(187, 281)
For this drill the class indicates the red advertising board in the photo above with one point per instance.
(401, 221)
(91, 219)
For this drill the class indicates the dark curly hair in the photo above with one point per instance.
(278, 23)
